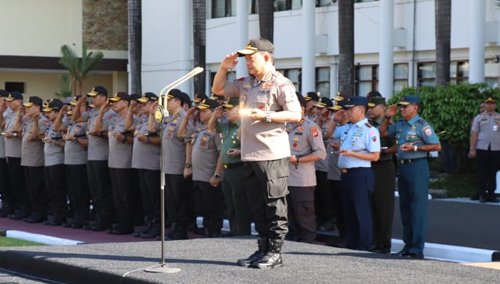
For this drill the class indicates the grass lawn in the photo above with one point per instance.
(10, 242)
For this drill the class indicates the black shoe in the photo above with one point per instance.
(413, 255)
(19, 214)
(78, 224)
(492, 199)
(400, 253)
(475, 197)
(326, 227)
(35, 218)
(257, 255)
(483, 199)
(144, 230)
(56, 221)
(213, 234)
(6, 211)
(380, 249)
(152, 232)
(272, 258)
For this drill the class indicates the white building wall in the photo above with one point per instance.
(160, 28)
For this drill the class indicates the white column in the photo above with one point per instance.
(308, 46)
(186, 50)
(386, 58)
(242, 32)
(476, 50)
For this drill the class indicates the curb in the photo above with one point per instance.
(433, 251)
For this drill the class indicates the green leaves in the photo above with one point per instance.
(79, 68)
(450, 108)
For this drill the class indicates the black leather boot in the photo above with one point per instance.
(272, 258)
(256, 256)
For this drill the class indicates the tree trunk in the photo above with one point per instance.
(199, 42)
(266, 19)
(135, 45)
(346, 46)
(443, 38)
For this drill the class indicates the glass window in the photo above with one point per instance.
(294, 75)
(459, 72)
(366, 79)
(323, 81)
(400, 77)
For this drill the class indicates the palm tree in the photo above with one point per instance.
(135, 45)
(346, 46)
(443, 38)
(79, 68)
(199, 42)
(266, 19)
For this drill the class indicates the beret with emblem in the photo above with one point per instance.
(53, 104)
(311, 96)
(356, 101)
(14, 96)
(120, 96)
(324, 102)
(409, 100)
(231, 102)
(148, 96)
(198, 97)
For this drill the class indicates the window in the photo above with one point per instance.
(459, 72)
(363, 1)
(14, 86)
(366, 79)
(227, 8)
(295, 75)
(283, 5)
(323, 81)
(323, 3)
(400, 77)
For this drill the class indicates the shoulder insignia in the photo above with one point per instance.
(422, 121)
(401, 120)
(369, 125)
(314, 131)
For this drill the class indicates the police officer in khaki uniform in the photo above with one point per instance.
(207, 170)
(233, 185)
(268, 101)
(98, 153)
(5, 185)
(485, 147)
(146, 159)
(120, 166)
(174, 157)
(55, 172)
(307, 146)
(75, 161)
(323, 193)
(33, 125)
(312, 100)
(13, 145)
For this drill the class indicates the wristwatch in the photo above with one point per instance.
(216, 175)
(268, 117)
(187, 165)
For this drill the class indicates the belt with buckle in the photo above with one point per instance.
(232, 166)
(344, 171)
(409, 161)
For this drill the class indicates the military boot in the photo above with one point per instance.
(257, 255)
(272, 258)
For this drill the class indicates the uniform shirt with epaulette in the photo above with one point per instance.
(416, 129)
(74, 153)
(385, 142)
(229, 133)
(144, 155)
(5, 115)
(322, 165)
(304, 138)
(174, 147)
(206, 148)
(361, 137)
(13, 145)
(487, 127)
(54, 155)
(99, 146)
(32, 151)
(262, 141)
(120, 153)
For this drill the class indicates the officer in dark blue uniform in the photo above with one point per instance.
(359, 147)
(415, 138)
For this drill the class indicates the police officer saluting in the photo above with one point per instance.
(415, 138)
